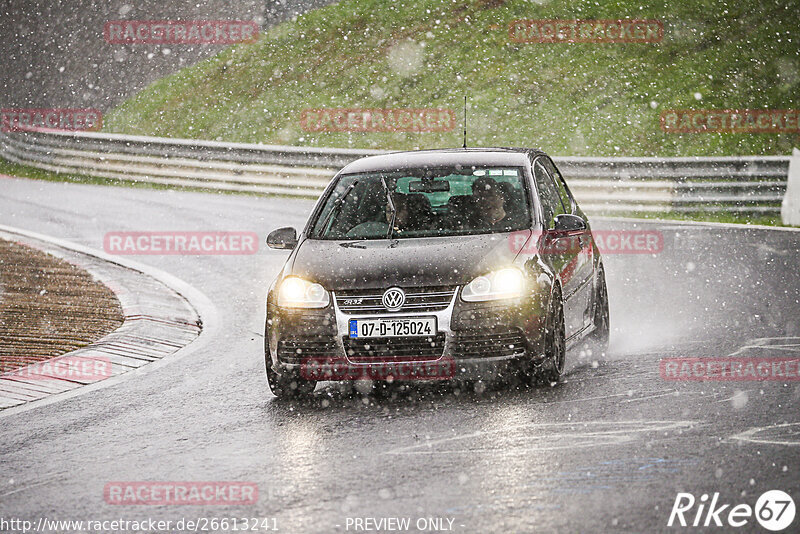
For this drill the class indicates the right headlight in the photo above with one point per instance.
(503, 284)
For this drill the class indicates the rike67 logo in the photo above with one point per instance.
(774, 511)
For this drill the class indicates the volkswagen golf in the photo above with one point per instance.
(436, 264)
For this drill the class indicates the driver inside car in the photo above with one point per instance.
(489, 204)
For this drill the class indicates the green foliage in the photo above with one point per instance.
(568, 99)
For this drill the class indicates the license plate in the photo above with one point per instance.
(400, 327)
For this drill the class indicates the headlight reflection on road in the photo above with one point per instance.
(502, 480)
(297, 447)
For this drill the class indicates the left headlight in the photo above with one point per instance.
(502, 284)
(295, 292)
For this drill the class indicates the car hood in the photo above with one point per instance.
(382, 263)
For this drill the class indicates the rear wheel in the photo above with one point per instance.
(601, 315)
(288, 384)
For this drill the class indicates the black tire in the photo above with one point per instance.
(602, 328)
(288, 385)
(555, 343)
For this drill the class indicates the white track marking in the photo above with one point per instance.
(752, 435)
(552, 438)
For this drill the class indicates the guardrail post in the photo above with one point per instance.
(790, 208)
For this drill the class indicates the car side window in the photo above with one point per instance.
(566, 200)
(548, 193)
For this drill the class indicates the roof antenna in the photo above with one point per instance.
(465, 121)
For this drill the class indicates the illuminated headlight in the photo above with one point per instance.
(295, 292)
(502, 284)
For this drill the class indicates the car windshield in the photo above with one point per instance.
(423, 203)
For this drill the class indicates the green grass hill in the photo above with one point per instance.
(566, 98)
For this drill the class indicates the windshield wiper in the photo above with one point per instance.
(390, 231)
(337, 204)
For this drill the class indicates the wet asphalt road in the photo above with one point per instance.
(606, 450)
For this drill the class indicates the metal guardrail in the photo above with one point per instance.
(754, 184)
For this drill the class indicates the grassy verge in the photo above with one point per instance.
(49, 307)
(568, 99)
(26, 171)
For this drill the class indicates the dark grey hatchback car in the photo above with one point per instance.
(436, 264)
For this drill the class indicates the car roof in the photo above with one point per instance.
(446, 157)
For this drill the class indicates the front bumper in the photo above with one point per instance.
(473, 341)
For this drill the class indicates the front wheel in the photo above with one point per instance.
(288, 385)
(555, 343)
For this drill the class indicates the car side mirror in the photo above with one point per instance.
(282, 238)
(567, 223)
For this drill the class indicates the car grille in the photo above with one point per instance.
(474, 344)
(394, 349)
(418, 299)
(295, 350)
